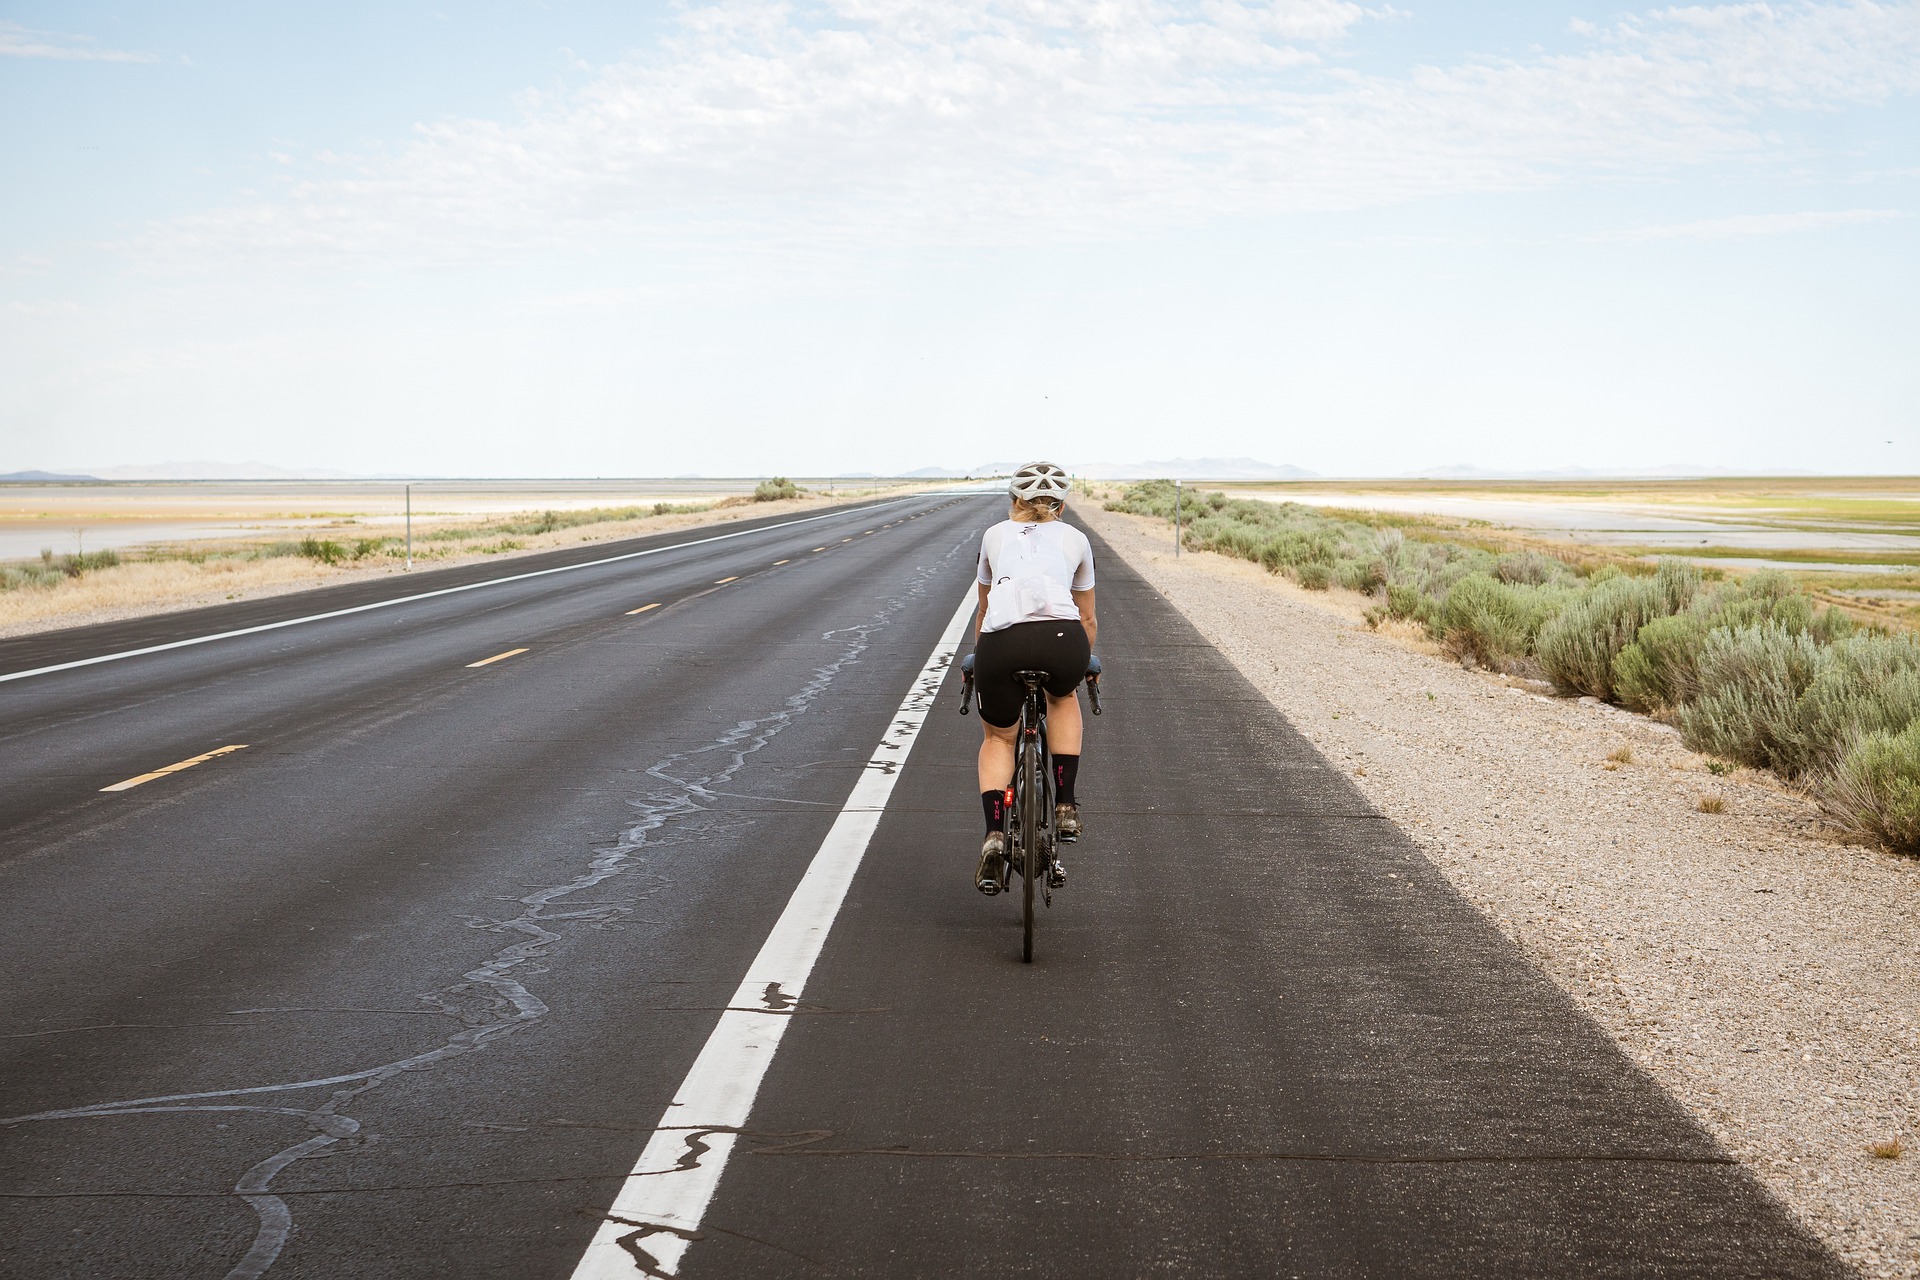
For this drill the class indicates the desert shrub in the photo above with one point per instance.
(1875, 787)
(1492, 622)
(1577, 648)
(1659, 670)
(1751, 681)
(1361, 575)
(86, 561)
(1679, 584)
(324, 551)
(1527, 568)
(1403, 601)
(775, 489)
(1771, 596)
(1148, 498)
(1865, 683)
(17, 577)
(1314, 576)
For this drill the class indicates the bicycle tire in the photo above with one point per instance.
(1032, 858)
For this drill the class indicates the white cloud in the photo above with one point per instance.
(867, 122)
(1756, 224)
(17, 41)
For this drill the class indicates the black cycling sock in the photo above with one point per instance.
(994, 805)
(1065, 770)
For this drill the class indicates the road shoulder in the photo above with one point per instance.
(1758, 970)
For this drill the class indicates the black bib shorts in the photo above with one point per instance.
(1058, 648)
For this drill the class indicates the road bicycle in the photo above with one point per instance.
(1031, 840)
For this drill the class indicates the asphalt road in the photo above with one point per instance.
(421, 966)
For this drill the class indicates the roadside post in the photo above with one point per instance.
(409, 528)
(1176, 519)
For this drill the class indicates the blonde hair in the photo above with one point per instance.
(1037, 512)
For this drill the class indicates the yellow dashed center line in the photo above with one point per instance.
(778, 563)
(643, 608)
(721, 582)
(819, 548)
(496, 657)
(846, 539)
(131, 783)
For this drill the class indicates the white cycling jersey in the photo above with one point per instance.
(1031, 572)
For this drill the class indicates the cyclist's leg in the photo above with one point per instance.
(996, 657)
(996, 755)
(995, 768)
(1064, 726)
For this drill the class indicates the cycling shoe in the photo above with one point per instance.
(993, 852)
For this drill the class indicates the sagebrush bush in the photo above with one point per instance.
(775, 489)
(1363, 575)
(1577, 648)
(1493, 622)
(1864, 683)
(1660, 669)
(1751, 681)
(1527, 568)
(16, 577)
(1875, 787)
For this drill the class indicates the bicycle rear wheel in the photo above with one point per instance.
(1033, 824)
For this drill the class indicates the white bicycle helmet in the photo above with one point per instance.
(1040, 482)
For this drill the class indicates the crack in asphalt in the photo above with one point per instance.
(801, 1144)
(490, 1001)
(228, 1013)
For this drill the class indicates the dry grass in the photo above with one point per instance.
(1711, 802)
(1622, 754)
(1888, 1149)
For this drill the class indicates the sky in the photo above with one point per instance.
(576, 238)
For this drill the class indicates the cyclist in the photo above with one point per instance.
(1036, 614)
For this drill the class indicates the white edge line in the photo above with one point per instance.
(660, 1205)
(428, 595)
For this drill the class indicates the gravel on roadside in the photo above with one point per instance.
(1758, 967)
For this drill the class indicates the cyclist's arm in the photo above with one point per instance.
(1084, 599)
(980, 614)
